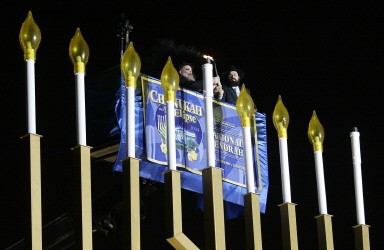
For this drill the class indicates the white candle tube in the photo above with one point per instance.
(356, 160)
(31, 103)
(249, 160)
(80, 104)
(130, 133)
(320, 182)
(208, 95)
(285, 180)
(171, 139)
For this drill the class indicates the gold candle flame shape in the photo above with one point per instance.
(78, 52)
(245, 107)
(281, 118)
(169, 80)
(316, 133)
(130, 66)
(29, 37)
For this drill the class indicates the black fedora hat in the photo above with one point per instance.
(183, 63)
(234, 68)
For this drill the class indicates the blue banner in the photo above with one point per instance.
(191, 144)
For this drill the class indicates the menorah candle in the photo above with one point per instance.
(80, 104)
(30, 37)
(284, 165)
(322, 199)
(356, 160)
(248, 160)
(245, 109)
(208, 95)
(79, 54)
(316, 137)
(130, 67)
(281, 122)
(170, 83)
(130, 99)
(31, 100)
(171, 139)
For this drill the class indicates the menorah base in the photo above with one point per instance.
(325, 232)
(362, 237)
(181, 241)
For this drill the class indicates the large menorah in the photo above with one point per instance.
(211, 175)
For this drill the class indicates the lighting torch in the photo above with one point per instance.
(210, 58)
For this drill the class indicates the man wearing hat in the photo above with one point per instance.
(231, 84)
(188, 80)
(187, 77)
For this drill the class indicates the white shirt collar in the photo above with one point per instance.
(237, 89)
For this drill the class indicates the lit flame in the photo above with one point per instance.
(208, 57)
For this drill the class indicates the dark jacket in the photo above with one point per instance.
(192, 85)
(229, 95)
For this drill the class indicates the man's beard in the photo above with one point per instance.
(190, 78)
(233, 83)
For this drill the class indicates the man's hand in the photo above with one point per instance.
(217, 88)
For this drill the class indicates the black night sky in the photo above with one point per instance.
(323, 57)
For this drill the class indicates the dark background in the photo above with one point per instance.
(323, 57)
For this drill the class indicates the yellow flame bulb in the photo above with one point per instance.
(281, 119)
(78, 52)
(130, 66)
(245, 107)
(316, 133)
(29, 37)
(169, 80)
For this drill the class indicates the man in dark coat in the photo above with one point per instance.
(188, 80)
(232, 84)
